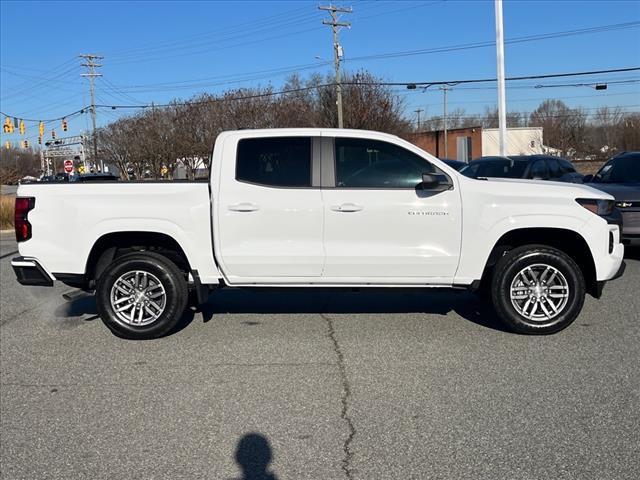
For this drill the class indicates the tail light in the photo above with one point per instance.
(22, 225)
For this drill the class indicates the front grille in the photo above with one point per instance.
(631, 217)
(630, 222)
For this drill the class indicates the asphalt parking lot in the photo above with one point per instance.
(326, 385)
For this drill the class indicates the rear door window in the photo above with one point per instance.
(275, 161)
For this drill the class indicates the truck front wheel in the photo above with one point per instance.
(141, 296)
(537, 289)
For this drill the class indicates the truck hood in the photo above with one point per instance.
(542, 187)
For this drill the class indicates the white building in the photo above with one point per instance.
(520, 141)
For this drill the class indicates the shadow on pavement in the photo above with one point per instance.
(378, 301)
(253, 455)
(300, 301)
(73, 311)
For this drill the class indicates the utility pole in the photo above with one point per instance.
(337, 50)
(444, 89)
(502, 98)
(91, 75)
(418, 112)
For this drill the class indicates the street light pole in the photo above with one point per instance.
(502, 100)
(444, 89)
(418, 112)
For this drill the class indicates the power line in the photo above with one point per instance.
(491, 43)
(45, 82)
(579, 113)
(536, 99)
(247, 76)
(485, 80)
(272, 22)
(236, 78)
(333, 84)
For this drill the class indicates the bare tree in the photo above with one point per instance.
(17, 163)
(563, 127)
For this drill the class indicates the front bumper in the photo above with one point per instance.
(29, 272)
(600, 285)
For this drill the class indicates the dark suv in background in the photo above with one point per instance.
(536, 167)
(620, 177)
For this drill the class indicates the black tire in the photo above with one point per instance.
(175, 294)
(506, 274)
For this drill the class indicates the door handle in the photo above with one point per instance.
(347, 207)
(243, 207)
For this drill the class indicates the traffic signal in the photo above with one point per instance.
(39, 139)
(53, 134)
(64, 124)
(25, 144)
(22, 129)
(8, 126)
(41, 129)
(7, 144)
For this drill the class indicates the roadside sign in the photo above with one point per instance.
(68, 166)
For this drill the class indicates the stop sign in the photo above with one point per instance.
(68, 166)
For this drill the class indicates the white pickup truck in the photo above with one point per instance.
(319, 208)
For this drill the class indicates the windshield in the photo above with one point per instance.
(620, 170)
(501, 168)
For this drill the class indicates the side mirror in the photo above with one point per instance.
(429, 180)
(587, 179)
(435, 183)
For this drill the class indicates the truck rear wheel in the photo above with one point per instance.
(537, 289)
(141, 296)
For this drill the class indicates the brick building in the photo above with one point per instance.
(472, 142)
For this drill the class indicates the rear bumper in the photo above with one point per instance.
(29, 272)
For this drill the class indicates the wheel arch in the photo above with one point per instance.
(566, 240)
(114, 244)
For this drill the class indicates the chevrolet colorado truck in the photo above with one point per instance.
(319, 208)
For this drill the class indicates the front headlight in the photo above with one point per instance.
(599, 207)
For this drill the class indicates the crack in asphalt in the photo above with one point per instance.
(344, 398)
(7, 321)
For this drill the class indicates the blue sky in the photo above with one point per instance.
(156, 51)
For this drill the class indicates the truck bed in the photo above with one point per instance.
(68, 218)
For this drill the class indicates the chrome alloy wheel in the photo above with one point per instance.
(138, 298)
(539, 292)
